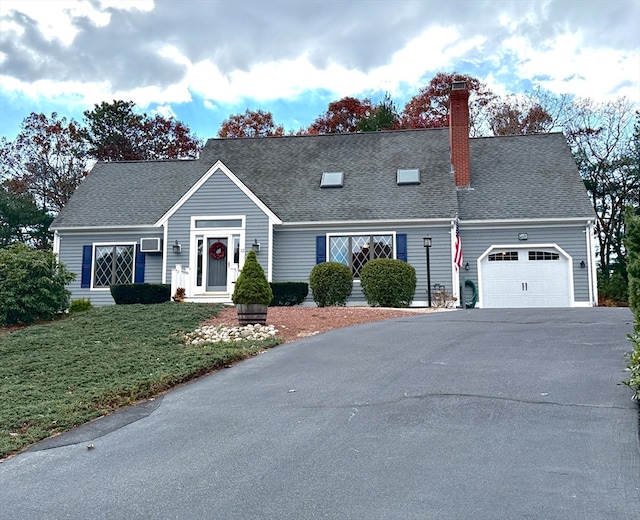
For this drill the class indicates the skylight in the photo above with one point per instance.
(408, 177)
(332, 180)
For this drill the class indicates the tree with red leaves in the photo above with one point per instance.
(430, 107)
(250, 124)
(45, 162)
(512, 116)
(341, 117)
(116, 133)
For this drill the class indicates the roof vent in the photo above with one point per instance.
(404, 177)
(332, 180)
(458, 85)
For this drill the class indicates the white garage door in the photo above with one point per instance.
(518, 277)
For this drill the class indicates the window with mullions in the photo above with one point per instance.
(506, 256)
(113, 265)
(356, 250)
(543, 255)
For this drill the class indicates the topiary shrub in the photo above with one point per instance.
(80, 305)
(252, 286)
(32, 285)
(287, 294)
(145, 293)
(388, 283)
(331, 284)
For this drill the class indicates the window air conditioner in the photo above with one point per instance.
(150, 245)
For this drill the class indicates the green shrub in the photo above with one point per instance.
(80, 305)
(634, 366)
(632, 244)
(331, 284)
(388, 283)
(613, 286)
(32, 285)
(252, 286)
(146, 293)
(288, 293)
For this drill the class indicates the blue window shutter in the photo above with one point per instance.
(85, 281)
(321, 249)
(401, 246)
(140, 258)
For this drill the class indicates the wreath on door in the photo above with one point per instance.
(217, 251)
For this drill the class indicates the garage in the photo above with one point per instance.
(532, 276)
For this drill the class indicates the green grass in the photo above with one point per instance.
(62, 374)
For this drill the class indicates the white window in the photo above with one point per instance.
(113, 264)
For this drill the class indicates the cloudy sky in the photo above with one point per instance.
(203, 60)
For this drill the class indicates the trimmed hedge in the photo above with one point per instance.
(331, 284)
(146, 293)
(287, 294)
(388, 283)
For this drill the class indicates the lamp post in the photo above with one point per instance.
(427, 245)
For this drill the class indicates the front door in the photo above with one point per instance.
(217, 264)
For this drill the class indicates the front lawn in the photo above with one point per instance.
(62, 374)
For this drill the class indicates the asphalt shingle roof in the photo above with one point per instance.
(522, 177)
(511, 177)
(285, 174)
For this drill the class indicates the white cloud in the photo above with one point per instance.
(568, 64)
(165, 111)
(55, 17)
(289, 78)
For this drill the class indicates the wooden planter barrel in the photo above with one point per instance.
(251, 313)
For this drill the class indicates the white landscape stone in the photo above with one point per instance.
(220, 333)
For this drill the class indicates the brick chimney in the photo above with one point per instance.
(459, 133)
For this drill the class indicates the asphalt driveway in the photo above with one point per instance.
(472, 414)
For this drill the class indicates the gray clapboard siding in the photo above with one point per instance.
(217, 197)
(294, 255)
(70, 255)
(572, 239)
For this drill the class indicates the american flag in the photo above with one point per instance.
(457, 256)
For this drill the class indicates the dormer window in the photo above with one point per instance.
(405, 177)
(332, 180)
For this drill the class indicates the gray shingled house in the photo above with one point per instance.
(525, 220)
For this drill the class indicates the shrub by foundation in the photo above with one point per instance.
(83, 304)
(287, 294)
(388, 283)
(331, 284)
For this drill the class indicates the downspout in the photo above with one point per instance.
(56, 243)
(165, 234)
(270, 255)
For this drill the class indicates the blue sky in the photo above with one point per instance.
(203, 60)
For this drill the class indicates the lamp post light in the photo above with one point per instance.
(427, 245)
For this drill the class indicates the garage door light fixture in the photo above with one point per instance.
(582, 264)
